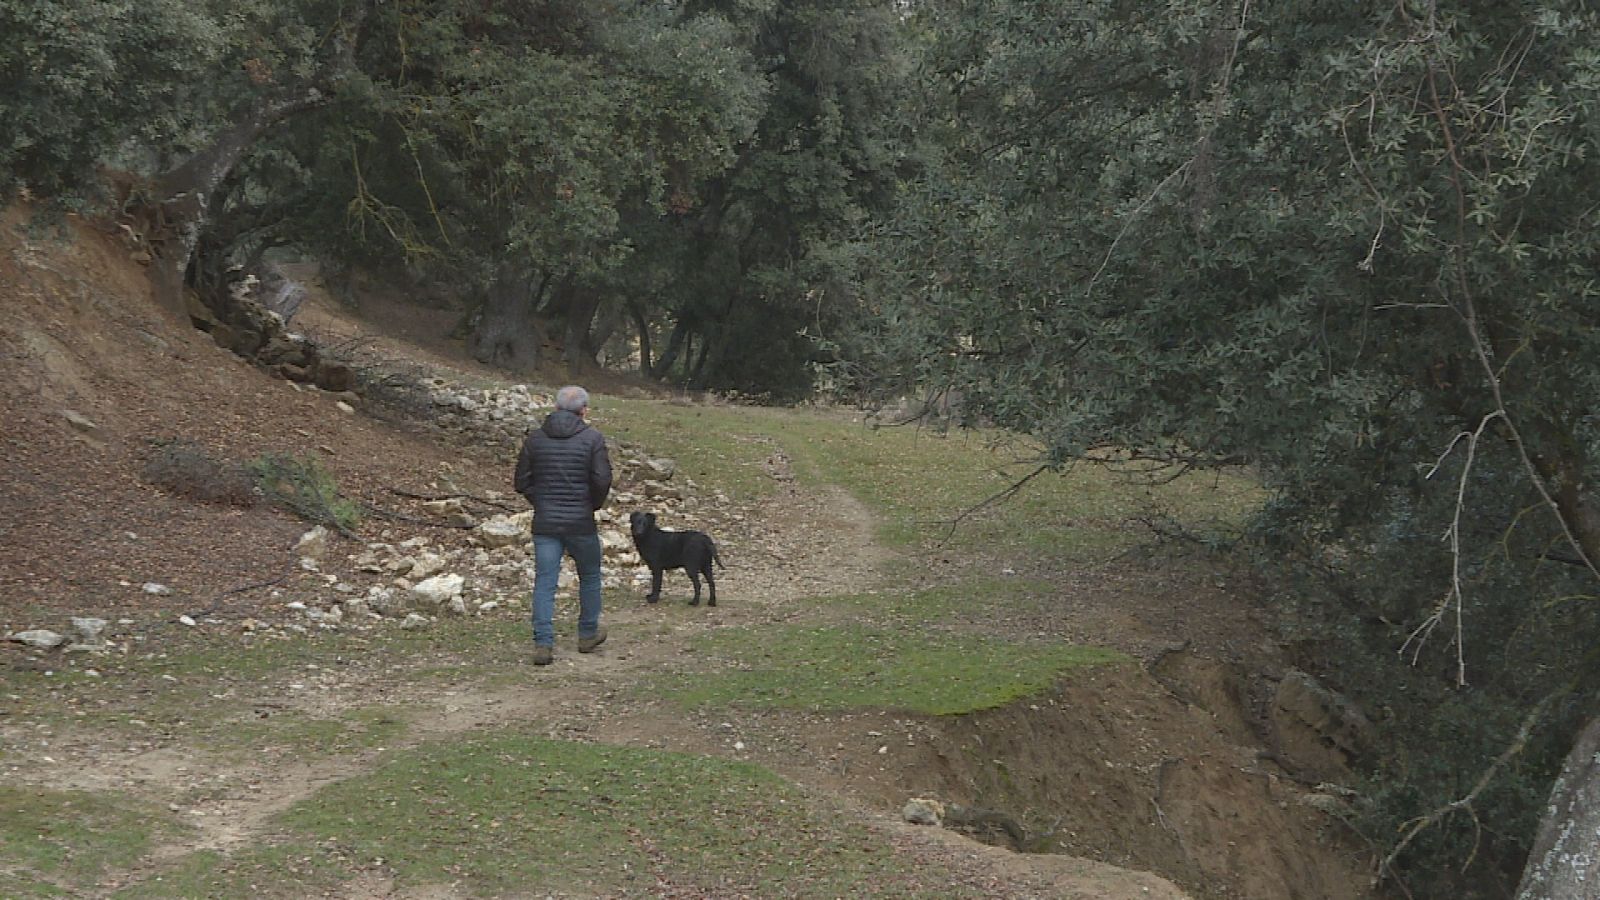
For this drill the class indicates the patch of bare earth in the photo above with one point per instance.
(1124, 771)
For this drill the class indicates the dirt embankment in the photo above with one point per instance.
(1115, 766)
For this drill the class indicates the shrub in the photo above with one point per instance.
(187, 470)
(303, 486)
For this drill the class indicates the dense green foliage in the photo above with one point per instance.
(765, 255)
(137, 84)
(1331, 242)
(599, 172)
(1351, 246)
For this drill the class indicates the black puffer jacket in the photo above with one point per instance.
(565, 472)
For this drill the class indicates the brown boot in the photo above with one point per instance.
(588, 644)
(542, 655)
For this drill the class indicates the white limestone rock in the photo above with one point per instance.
(42, 638)
(437, 591)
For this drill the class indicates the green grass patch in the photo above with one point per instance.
(930, 490)
(509, 813)
(920, 481)
(287, 871)
(719, 447)
(188, 683)
(64, 842)
(832, 668)
(199, 683)
(968, 600)
(358, 729)
(18, 886)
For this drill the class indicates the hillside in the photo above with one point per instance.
(267, 717)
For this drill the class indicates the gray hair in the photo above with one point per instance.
(572, 398)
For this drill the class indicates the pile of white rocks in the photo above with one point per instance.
(501, 415)
(504, 415)
(419, 578)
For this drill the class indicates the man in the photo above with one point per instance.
(565, 472)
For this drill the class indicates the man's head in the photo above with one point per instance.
(572, 399)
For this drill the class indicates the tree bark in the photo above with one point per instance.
(1559, 459)
(690, 342)
(507, 333)
(643, 325)
(674, 346)
(183, 195)
(580, 313)
(1565, 862)
(697, 371)
(605, 325)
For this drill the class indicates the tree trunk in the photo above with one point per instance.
(1559, 458)
(1565, 862)
(674, 346)
(690, 342)
(605, 325)
(643, 325)
(184, 194)
(507, 334)
(580, 313)
(696, 380)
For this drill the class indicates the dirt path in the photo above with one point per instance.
(821, 539)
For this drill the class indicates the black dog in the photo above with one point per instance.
(691, 551)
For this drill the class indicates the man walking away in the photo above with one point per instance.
(565, 472)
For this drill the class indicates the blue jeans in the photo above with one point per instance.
(547, 552)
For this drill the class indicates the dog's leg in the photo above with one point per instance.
(711, 581)
(655, 586)
(695, 577)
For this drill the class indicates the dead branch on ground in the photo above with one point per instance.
(411, 520)
(431, 498)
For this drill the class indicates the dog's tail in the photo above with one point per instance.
(716, 556)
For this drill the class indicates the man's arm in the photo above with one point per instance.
(524, 481)
(599, 474)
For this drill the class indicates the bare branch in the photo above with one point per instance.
(458, 496)
(1133, 218)
(1466, 310)
(1210, 128)
(1453, 597)
(1464, 803)
(412, 520)
(992, 500)
(1469, 317)
(253, 586)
